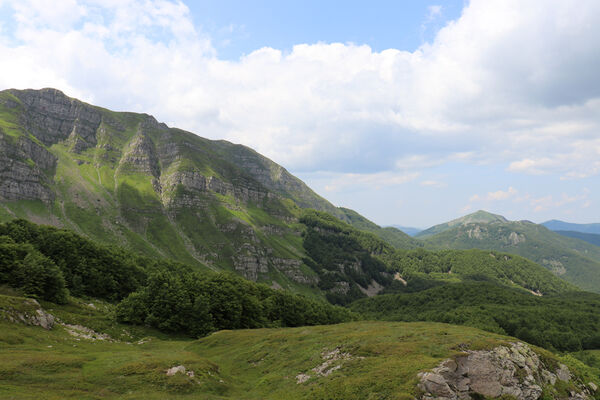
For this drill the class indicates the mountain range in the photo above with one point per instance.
(572, 259)
(557, 225)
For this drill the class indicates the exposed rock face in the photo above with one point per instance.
(140, 155)
(25, 167)
(52, 117)
(515, 238)
(372, 289)
(196, 185)
(515, 371)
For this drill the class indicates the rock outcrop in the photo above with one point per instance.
(29, 312)
(514, 370)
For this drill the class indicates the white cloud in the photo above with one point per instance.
(509, 82)
(551, 202)
(379, 180)
(495, 196)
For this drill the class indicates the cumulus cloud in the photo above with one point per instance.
(509, 82)
(369, 181)
(495, 196)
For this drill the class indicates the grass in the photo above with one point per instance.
(383, 359)
(245, 364)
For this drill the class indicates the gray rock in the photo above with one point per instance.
(515, 371)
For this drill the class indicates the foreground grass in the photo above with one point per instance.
(376, 360)
(383, 361)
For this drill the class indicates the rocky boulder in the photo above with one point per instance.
(515, 371)
(29, 312)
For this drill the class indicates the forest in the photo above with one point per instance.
(50, 263)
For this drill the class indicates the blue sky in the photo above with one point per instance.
(239, 27)
(410, 112)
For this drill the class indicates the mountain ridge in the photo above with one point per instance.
(558, 225)
(572, 259)
(126, 179)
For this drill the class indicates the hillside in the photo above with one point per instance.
(421, 269)
(565, 322)
(356, 360)
(125, 179)
(574, 260)
(557, 225)
(591, 238)
(476, 217)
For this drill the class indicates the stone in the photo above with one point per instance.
(493, 373)
(44, 319)
(172, 371)
(436, 385)
(563, 373)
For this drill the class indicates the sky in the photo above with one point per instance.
(409, 112)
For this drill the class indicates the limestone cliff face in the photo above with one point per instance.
(140, 155)
(51, 117)
(25, 167)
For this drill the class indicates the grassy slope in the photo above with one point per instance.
(581, 260)
(249, 364)
(385, 358)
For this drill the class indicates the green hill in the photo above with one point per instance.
(125, 179)
(358, 360)
(574, 260)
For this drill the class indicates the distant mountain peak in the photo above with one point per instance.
(478, 217)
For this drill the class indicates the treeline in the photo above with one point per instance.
(85, 268)
(565, 322)
(50, 263)
(343, 257)
(25, 268)
(198, 304)
(447, 266)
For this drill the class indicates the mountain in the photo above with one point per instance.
(556, 225)
(574, 260)
(591, 238)
(125, 179)
(476, 217)
(410, 231)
